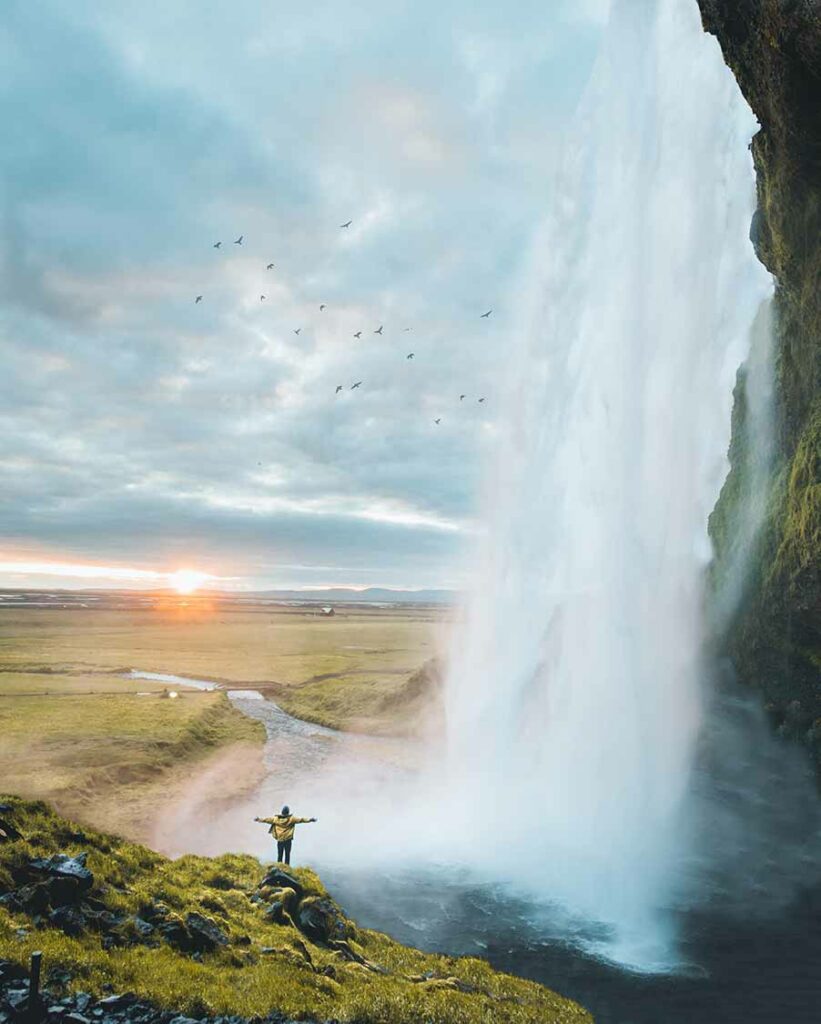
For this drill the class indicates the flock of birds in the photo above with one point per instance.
(357, 334)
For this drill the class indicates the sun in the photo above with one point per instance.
(186, 581)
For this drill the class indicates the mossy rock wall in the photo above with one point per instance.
(774, 636)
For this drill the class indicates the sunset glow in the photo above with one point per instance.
(186, 581)
(29, 573)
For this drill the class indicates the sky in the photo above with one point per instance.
(143, 432)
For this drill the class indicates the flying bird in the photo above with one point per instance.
(355, 386)
(338, 388)
(481, 400)
(406, 329)
(462, 398)
(409, 355)
(238, 241)
(261, 298)
(217, 245)
(347, 224)
(437, 422)
(379, 330)
(358, 334)
(270, 266)
(484, 316)
(198, 299)
(322, 306)
(297, 330)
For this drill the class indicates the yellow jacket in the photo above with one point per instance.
(282, 826)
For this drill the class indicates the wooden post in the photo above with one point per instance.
(34, 1008)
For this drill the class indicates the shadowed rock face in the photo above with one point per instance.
(774, 49)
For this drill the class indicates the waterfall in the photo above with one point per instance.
(573, 701)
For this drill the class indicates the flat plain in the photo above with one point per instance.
(78, 730)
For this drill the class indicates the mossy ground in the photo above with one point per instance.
(293, 975)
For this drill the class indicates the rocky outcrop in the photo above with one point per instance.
(774, 634)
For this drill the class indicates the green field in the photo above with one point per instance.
(344, 671)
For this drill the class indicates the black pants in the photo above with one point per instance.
(284, 851)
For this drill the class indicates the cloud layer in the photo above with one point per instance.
(142, 428)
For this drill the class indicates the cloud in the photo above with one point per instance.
(138, 427)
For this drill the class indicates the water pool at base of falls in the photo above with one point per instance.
(730, 971)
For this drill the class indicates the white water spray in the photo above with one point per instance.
(573, 703)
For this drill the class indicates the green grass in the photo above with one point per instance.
(296, 976)
(95, 755)
(337, 671)
(60, 684)
(200, 640)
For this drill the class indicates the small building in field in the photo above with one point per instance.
(326, 610)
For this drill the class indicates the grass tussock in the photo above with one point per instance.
(264, 965)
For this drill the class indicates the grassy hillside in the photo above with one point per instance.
(109, 758)
(199, 936)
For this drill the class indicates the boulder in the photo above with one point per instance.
(154, 912)
(62, 866)
(206, 935)
(279, 879)
(173, 930)
(321, 920)
(29, 899)
(63, 890)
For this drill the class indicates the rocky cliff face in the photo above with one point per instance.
(774, 634)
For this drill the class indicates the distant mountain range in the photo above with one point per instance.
(371, 595)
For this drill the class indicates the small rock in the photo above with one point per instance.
(17, 998)
(61, 866)
(118, 1002)
(279, 879)
(58, 976)
(82, 1000)
(69, 920)
(29, 899)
